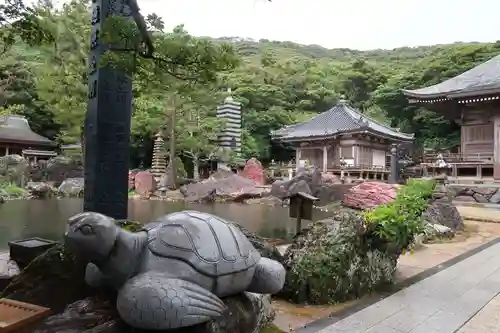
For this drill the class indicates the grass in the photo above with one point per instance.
(271, 329)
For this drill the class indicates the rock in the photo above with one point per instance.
(464, 191)
(40, 190)
(486, 192)
(254, 170)
(465, 198)
(444, 213)
(60, 168)
(246, 313)
(369, 195)
(330, 179)
(443, 231)
(131, 179)
(72, 187)
(311, 176)
(145, 183)
(300, 186)
(331, 261)
(173, 196)
(495, 198)
(269, 200)
(225, 185)
(480, 198)
(8, 270)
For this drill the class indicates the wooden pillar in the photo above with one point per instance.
(325, 158)
(298, 154)
(496, 147)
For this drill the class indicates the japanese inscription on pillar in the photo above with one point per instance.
(107, 123)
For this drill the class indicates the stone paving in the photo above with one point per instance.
(486, 321)
(441, 303)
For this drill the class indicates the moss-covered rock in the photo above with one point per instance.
(332, 261)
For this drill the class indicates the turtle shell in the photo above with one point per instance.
(209, 244)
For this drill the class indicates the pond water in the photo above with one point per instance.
(47, 218)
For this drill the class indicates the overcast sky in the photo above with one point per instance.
(358, 24)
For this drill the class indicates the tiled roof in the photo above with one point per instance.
(341, 118)
(481, 79)
(16, 129)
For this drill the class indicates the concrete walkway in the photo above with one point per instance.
(442, 303)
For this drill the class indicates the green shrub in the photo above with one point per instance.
(395, 225)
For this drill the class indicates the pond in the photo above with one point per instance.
(47, 218)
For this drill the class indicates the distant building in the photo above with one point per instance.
(17, 137)
(472, 100)
(342, 138)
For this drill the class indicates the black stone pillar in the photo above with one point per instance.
(393, 176)
(107, 124)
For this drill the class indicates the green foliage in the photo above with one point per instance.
(180, 171)
(12, 191)
(398, 222)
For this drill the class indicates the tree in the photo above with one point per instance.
(18, 21)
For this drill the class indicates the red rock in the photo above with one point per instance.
(131, 179)
(145, 183)
(369, 195)
(254, 170)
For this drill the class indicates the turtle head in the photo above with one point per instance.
(91, 236)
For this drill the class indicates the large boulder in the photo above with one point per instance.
(254, 170)
(369, 195)
(331, 261)
(225, 185)
(40, 190)
(60, 168)
(145, 183)
(72, 187)
(56, 280)
(311, 177)
(444, 213)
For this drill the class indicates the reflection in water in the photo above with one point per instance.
(47, 218)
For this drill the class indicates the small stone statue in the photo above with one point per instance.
(173, 272)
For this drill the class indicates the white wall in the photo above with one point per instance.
(379, 158)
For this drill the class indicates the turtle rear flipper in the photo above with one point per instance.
(269, 277)
(153, 301)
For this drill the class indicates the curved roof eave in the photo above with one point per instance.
(478, 78)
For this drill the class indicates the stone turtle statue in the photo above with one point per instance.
(173, 272)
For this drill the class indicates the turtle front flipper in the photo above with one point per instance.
(268, 278)
(153, 301)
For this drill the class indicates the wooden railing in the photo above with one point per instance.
(459, 158)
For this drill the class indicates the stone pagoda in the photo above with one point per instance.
(159, 163)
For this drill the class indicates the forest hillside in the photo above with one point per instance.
(278, 83)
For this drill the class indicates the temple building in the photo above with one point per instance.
(16, 137)
(472, 100)
(342, 138)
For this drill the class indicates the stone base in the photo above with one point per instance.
(25, 250)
